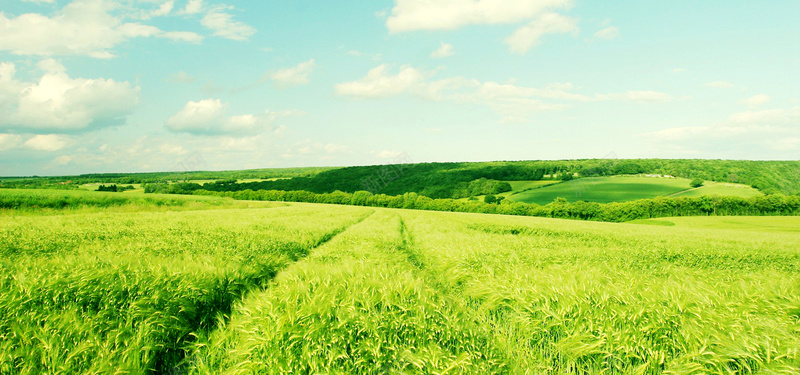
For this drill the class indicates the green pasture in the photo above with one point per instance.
(627, 188)
(92, 288)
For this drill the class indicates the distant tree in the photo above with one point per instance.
(567, 177)
(501, 187)
(489, 199)
(696, 183)
(111, 188)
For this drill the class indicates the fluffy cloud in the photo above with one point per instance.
(83, 27)
(295, 75)
(755, 101)
(529, 35)
(9, 141)
(767, 116)
(223, 25)
(514, 103)
(58, 103)
(210, 117)
(411, 15)
(766, 128)
(46, 142)
(380, 83)
(193, 7)
(443, 51)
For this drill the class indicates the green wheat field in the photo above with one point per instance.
(197, 285)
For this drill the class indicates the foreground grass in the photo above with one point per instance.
(308, 288)
(355, 306)
(571, 297)
(777, 224)
(128, 293)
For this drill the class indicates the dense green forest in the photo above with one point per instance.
(459, 180)
(72, 182)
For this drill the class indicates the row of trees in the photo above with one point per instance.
(776, 204)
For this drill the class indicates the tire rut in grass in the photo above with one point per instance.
(358, 305)
(471, 325)
(174, 360)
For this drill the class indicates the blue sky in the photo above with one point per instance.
(153, 85)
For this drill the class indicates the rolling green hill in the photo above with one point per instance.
(604, 189)
(627, 188)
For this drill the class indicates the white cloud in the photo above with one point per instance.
(210, 117)
(773, 129)
(755, 101)
(51, 66)
(193, 7)
(82, 27)
(607, 33)
(164, 9)
(767, 116)
(410, 15)
(58, 103)
(223, 24)
(719, 85)
(380, 83)
(529, 35)
(182, 36)
(46, 142)
(295, 75)
(9, 141)
(514, 103)
(443, 51)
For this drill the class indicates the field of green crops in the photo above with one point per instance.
(626, 188)
(239, 288)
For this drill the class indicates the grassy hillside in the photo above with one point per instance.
(308, 288)
(627, 188)
(605, 189)
(721, 189)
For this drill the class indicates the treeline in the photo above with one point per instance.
(72, 182)
(114, 188)
(480, 186)
(767, 205)
(455, 180)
